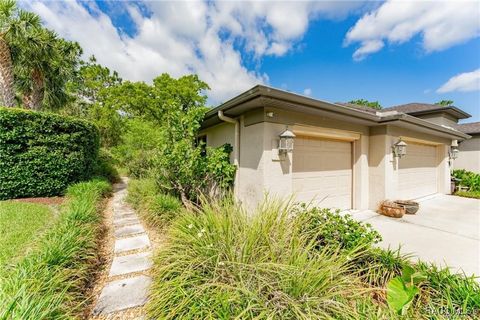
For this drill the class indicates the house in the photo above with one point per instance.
(469, 155)
(343, 157)
(469, 150)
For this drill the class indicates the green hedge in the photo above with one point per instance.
(42, 153)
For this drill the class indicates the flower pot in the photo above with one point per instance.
(391, 209)
(411, 207)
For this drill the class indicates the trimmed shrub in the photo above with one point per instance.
(42, 153)
(50, 281)
(104, 167)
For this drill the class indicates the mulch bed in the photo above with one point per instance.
(43, 200)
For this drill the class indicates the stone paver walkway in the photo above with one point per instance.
(125, 287)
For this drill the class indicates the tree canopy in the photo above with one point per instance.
(366, 103)
(444, 103)
(35, 64)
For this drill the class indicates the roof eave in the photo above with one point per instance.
(402, 117)
(452, 110)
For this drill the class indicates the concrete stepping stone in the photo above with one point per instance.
(131, 263)
(125, 221)
(123, 294)
(122, 211)
(124, 216)
(129, 230)
(132, 243)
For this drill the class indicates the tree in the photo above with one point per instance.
(14, 25)
(92, 96)
(174, 110)
(444, 103)
(90, 84)
(43, 65)
(366, 103)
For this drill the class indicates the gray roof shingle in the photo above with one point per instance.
(417, 108)
(469, 128)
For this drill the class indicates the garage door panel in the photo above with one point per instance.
(418, 172)
(322, 172)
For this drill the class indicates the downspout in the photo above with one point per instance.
(236, 147)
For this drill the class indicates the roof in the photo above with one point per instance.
(358, 106)
(261, 96)
(417, 108)
(469, 128)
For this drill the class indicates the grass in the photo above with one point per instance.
(468, 194)
(221, 263)
(49, 282)
(157, 208)
(20, 224)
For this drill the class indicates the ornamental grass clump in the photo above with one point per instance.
(49, 282)
(292, 262)
(154, 206)
(220, 263)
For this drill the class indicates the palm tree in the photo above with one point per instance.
(14, 24)
(43, 65)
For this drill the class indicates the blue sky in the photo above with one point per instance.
(336, 51)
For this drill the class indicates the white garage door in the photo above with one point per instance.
(322, 172)
(418, 172)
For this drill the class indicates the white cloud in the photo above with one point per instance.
(307, 92)
(185, 37)
(441, 25)
(468, 81)
(367, 47)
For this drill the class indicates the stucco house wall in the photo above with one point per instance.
(469, 156)
(440, 118)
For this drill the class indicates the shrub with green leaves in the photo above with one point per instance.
(329, 228)
(468, 179)
(49, 282)
(41, 154)
(104, 167)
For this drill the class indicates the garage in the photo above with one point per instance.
(418, 172)
(322, 172)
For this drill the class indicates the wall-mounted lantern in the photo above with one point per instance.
(399, 149)
(453, 153)
(286, 141)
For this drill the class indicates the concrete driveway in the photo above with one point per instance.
(445, 231)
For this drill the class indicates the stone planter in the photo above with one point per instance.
(391, 209)
(411, 207)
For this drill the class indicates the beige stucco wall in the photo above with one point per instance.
(469, 156)
(219, 135)
(384, 167)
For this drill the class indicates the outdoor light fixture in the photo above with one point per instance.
(399, 149)
(453, 153)
(286, 141)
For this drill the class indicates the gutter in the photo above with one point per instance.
(236, 147)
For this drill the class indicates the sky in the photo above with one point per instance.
(394, 52)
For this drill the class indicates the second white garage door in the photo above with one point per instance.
(322, 172)
(417, 172)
